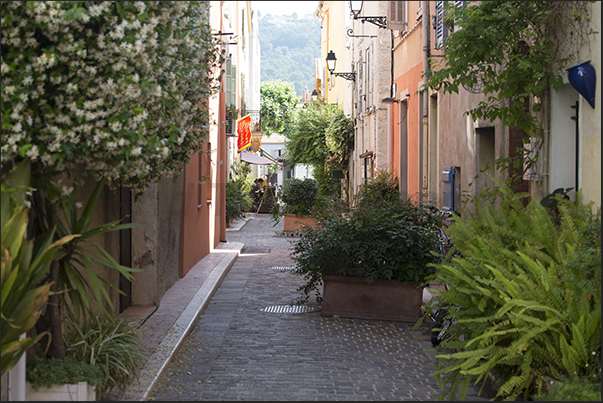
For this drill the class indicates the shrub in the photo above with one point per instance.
(112, 345)
(237, 202)
(299, 197)
(388, 239)
(117, 88)
(571, 390)
(528, 297)
(42, 372)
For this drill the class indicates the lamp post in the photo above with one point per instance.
(331, 60)
(356, 8)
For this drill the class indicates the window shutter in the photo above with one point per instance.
(228, 82)
(360, 78)
(440, 26)
(396, 17)
(457, 25)
(370, 79)
(233, 83)
(368, 89)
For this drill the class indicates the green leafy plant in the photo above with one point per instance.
(42, 372)
(527, 295)
(112, 345)
(388, 238)
(75, 274)
(122, 91)
(24, 266)
(237, 201)
(570, 389)
(278, 103)
(516, 51)
(322, 137)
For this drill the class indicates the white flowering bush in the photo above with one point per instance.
(114, 88)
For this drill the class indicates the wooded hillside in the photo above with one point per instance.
(289, 46)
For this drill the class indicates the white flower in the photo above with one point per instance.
(9, 89)
(78, 205)
(136, 151)
(115, 126)
(66, 191)
(32, 152)
(71, 88)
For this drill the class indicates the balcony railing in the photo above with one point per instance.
(231, 124)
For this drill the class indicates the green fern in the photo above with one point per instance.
(527, 297)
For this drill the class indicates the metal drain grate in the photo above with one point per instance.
(290, 309)
(282, 267)
(255, 249)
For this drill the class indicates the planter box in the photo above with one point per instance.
(354, 297)
(293, 223)
(78, 392)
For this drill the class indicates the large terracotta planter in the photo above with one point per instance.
(293, 222)
(354, 297)
(63, 393)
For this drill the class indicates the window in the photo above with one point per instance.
(396, 16)
(359, 79)
(442, 28)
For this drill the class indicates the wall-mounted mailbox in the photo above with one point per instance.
(448, 179)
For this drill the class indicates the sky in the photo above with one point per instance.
(284, 7)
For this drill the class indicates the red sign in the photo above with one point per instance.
(244, 132)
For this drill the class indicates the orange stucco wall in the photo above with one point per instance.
(194, 244)
(408, 83)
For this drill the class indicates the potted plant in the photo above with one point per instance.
(62, 379)
(104, 355)
(296, 203)
(372, 262)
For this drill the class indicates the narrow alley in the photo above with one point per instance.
(250, 344)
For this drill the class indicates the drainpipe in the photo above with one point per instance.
(425, 106)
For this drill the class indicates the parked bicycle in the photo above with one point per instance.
(441, 318)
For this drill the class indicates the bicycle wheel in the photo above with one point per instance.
(441, 324)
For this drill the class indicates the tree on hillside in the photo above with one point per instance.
(278, 103)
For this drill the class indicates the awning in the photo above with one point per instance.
(254, 158)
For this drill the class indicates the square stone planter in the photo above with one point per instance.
(354, 297)
(293, 222)
(81, 392)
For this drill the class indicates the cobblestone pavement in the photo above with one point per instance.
(238, 350)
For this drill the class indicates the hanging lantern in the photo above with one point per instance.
(583, 78)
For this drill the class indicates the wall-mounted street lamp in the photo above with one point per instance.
(356, 7)
(331, 59)
(314, 95)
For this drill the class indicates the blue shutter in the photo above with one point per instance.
(440, 26)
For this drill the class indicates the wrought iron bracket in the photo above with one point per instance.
(347, 76)
(381, 22)
(351, 31)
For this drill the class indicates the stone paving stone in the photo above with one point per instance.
(237, 352)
